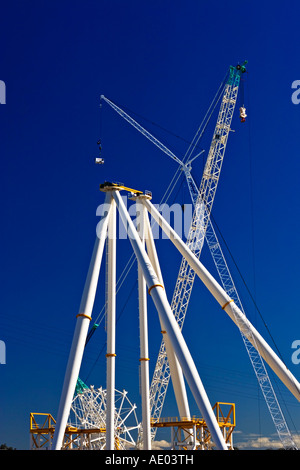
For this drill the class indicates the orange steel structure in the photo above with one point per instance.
(193, 433)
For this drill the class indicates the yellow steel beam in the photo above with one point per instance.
(107, 186)
(222, 419)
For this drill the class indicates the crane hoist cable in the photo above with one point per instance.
(247, 287)
(191, 148)
(242, 109)
(170, 153)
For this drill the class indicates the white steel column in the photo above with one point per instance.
(175, 369)
(80, 334)
(111, 328)
(228, 304)
(144, 351)
(177, 341)
(172, 438)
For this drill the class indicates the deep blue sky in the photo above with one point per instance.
(163, 60)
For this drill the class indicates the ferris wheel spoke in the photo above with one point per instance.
(88, 411)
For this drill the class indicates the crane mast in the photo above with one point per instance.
(195, 238)
(201, 227)
(160, 381)
(246, 333)
(249, 342)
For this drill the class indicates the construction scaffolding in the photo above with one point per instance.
(41, 434)
(193, 434)
(189, 433)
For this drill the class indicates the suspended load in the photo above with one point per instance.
(99, 160)
(243, 114)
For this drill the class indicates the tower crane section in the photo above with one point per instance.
(256, 360)
(184, 287)
(204, 200)
(229, 287)
(201, 227)
(252, 349)
(203, 203)
(142, 130)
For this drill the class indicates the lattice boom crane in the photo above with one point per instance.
(204, 201)
(205, 197)
(201, 228)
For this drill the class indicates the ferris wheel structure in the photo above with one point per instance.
(202, 229)
(88, 411)
(91, 407)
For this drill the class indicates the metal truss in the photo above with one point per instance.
(88, 412)
(204, 201)
(201, 227)
(249, 341)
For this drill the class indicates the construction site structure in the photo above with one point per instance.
(192, 433)
(181, 362)
(86, 426)
(42, 427)
(202, 228)
(174, 361)
(189, 433)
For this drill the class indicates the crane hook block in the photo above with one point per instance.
(243, 114)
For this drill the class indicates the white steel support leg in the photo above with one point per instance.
(202, 438)
(228, 304)
(172, 438)
(80, 334)
(194, 437)
(144, 351)
(177, 341)
(175, 369)
(111, 328)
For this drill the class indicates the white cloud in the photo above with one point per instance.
(160, 445)
(255, 442)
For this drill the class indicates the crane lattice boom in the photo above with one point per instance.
(204, 202)
(201, 228)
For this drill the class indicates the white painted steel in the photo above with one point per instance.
(141, 129)
(175, 369)
(111, 327)
(257, 361)
(80, 334)
(204, 199)
(144, 350)
(227, 304)
(183, 289)
(177, 341)
(253, 352)
(88, 410)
